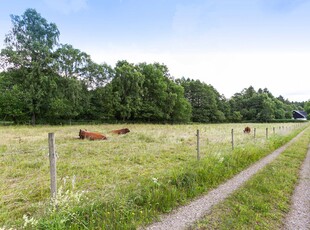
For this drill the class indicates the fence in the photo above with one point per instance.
(232, 141)
(201, 140)
(52, 159)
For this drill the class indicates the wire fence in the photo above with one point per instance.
(205, 141)
(147, 149)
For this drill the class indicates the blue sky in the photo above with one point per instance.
(230, 44)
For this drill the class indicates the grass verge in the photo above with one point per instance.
(264, 200)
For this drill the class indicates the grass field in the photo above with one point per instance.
(125, 181)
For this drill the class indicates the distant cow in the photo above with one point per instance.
(120, 131)
(84, 134)
(247, 129)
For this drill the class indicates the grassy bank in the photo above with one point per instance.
(126, 181)
(265, 199)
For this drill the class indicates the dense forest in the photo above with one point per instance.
(44, 81)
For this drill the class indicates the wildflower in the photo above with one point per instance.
(65, 199)
(30, 221)
(155, 181)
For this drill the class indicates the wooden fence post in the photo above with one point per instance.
(232, 139)
(198, 147)
(52, 157)
(254, 133)
(266, 133)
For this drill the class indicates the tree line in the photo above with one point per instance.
(45, 81)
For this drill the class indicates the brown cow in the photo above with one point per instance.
(91, 135)
(247, 129)
(120, 131)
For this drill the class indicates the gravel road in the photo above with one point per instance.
(299, 216)
(185, 216)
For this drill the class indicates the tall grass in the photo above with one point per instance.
(128, 180)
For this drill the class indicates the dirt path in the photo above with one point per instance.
(185, 216)
(299, 216)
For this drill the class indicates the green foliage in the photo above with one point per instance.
(64, 83)
(103, 103)
(127, 89)
(307, 109)
(141, 92)
(13, 99)
(206, 103)
(155, 92)
(70, 62)
(260, 106)
(28, 50)
(50, 82)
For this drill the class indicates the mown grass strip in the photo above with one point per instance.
(265, 199)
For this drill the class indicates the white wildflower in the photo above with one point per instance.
(29, 221)
(155, 180)
(64, 199)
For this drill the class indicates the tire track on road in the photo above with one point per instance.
(185, 216)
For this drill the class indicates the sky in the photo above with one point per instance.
(229, 44)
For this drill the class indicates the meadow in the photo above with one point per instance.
(125, 181)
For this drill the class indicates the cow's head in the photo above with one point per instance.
(82, 134)
(247, 130)
(126, 130)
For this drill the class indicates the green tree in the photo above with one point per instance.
(307, 109)
(78, 74)
(97, 75)
(205, 101)
(162, 100)
(267, 108)
(13, 100)
(29, 49)
(143, 92)
(73, 63)
(70, 62)
(260, 105)
(127, 89)
(67, 99)
(103, 103)
(154, 92)
(181, 109)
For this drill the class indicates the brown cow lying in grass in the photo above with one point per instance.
(84, 134)
(247, 129)
(120, 131)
